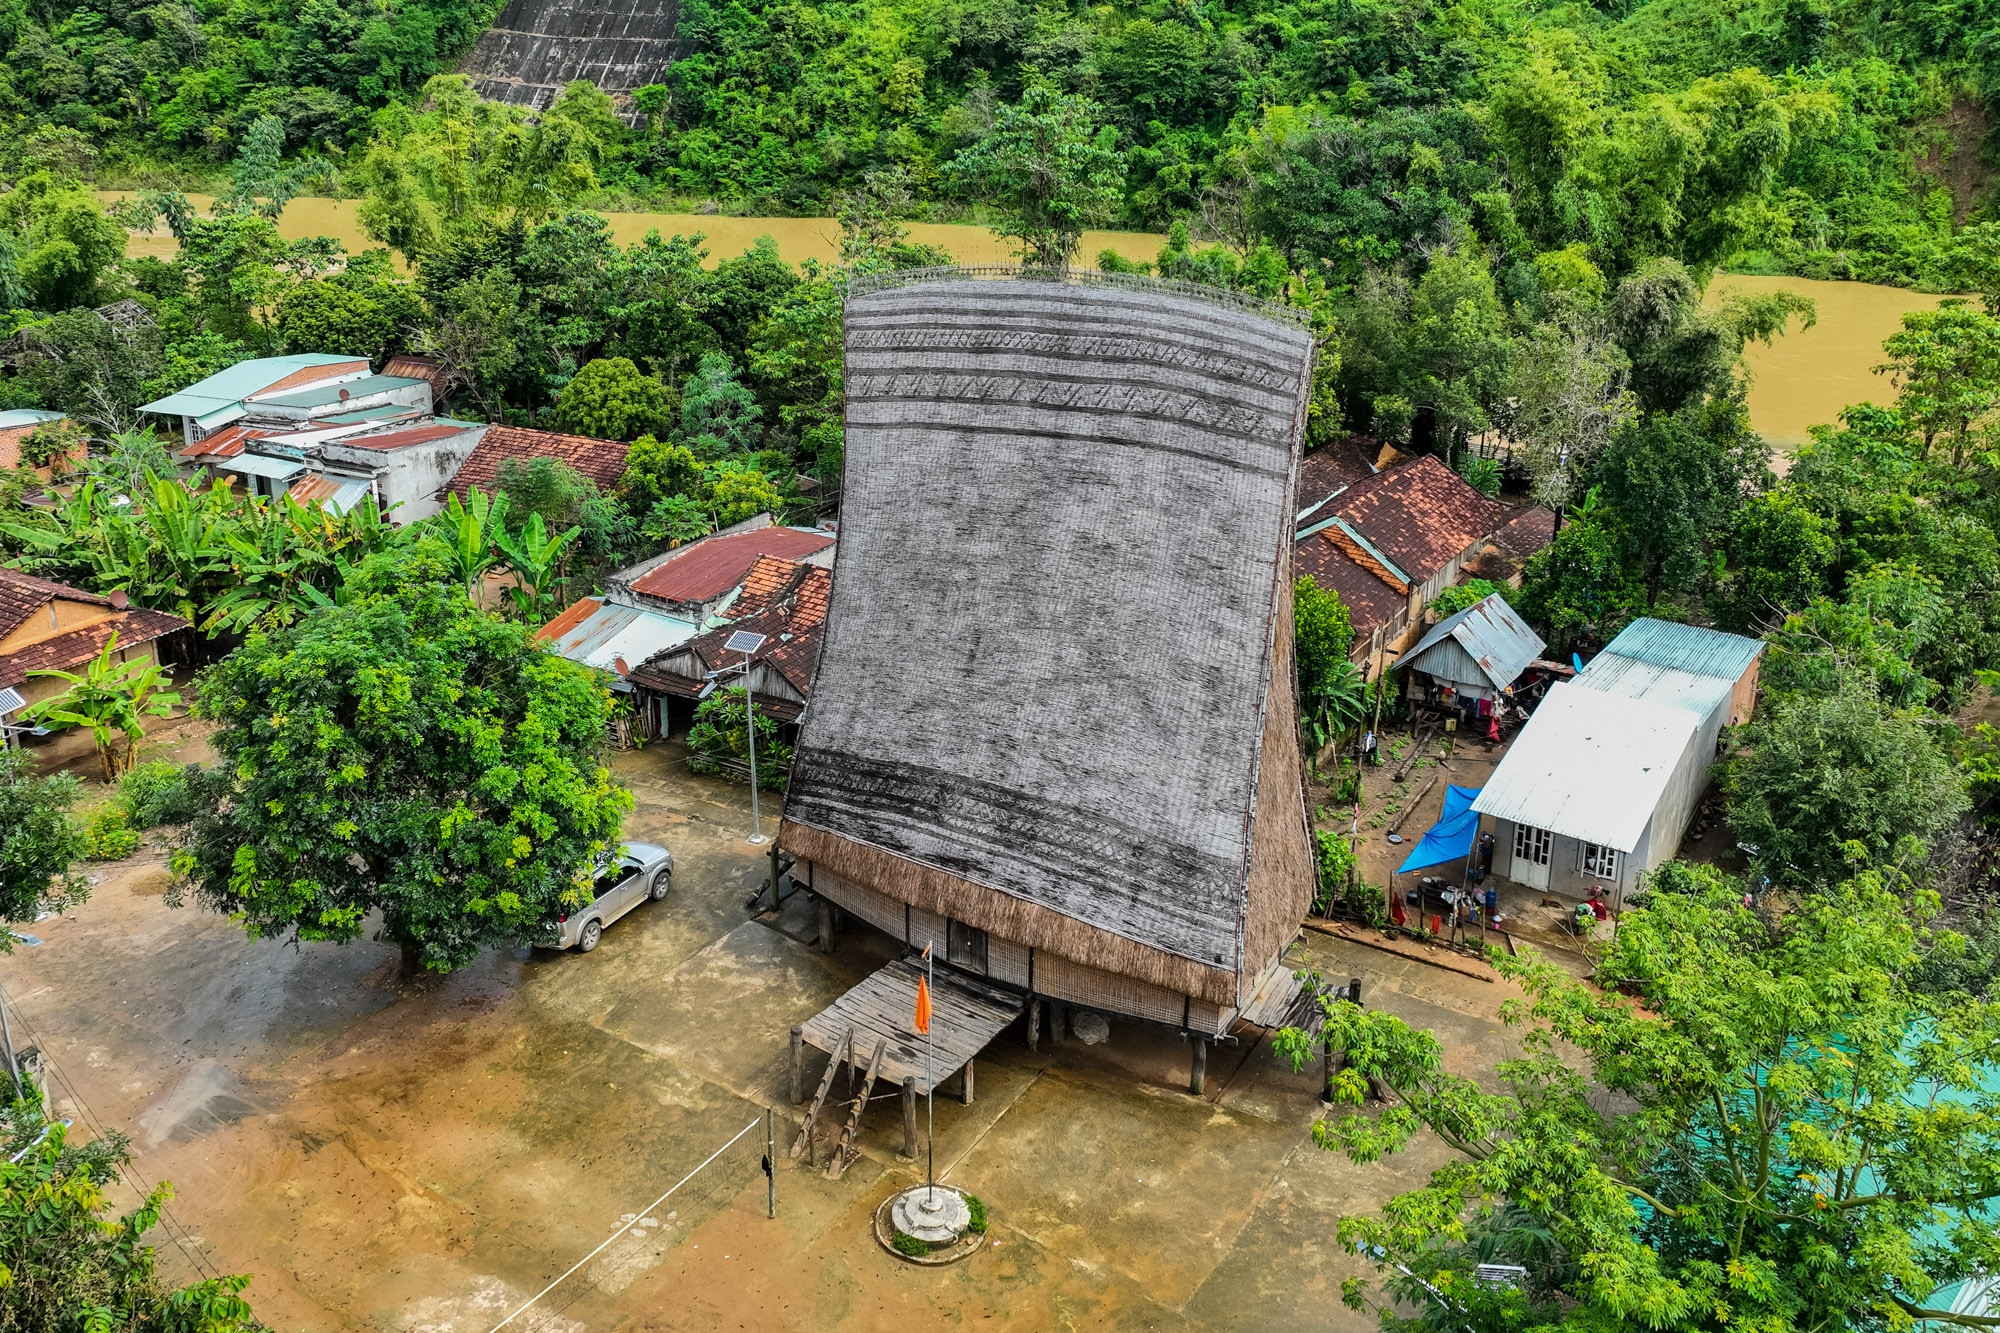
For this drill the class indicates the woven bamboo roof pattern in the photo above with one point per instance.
(536, 46)
(1046, 660)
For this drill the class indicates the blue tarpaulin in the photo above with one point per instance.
(1451, 837)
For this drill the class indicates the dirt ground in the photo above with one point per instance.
(424, 1159)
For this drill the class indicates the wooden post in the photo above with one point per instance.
(1354, 991)
(1057, 1013)
(825, 926)
(1198, 1076)
(798, 1065)
(966, 1091)
(910, 1118)
(1034, 1024)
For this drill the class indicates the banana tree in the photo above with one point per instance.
(470, 528)
(533, 556)
(110, 698)
(1337, 705)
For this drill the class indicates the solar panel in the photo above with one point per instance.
(743, 641)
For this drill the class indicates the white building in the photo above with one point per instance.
(1602, 782)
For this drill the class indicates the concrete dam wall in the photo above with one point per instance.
(537, 46)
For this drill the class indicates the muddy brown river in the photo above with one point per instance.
(1806, 377)
(1802, 380)
(798, 238)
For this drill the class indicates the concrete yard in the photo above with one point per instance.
(424, 1158)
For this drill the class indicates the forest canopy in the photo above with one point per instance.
(1826, 138)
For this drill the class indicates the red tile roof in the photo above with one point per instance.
(1527, 532)
(712, 566)
(1370, 599)
(21, 595)
(1328, 470)
(1419, 513)
(603, 461)
(67, 652)
(402, 439)
(789, 611)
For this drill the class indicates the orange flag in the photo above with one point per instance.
(923, 1018)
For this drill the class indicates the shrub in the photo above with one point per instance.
(1482, 474)
(1335, 861)
(719, 733)
(107, 837)
(158, 793)
(1461, 595)
(977, 1226)
(913, 1246)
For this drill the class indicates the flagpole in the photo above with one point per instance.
(930, 1079)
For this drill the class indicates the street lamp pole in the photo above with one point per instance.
(750, 733)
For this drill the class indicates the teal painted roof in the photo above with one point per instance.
(27, 416)
(322, 394)
(239, 382)
(1706, 652)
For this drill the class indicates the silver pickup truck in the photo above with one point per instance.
(640, 872)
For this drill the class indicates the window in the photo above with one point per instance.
(1532, 844)
(1600, 862)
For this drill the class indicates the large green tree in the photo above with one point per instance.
(402, 754)
(40, 842)
(1758, 1122)
(1826, 771)
(1051, 167)
(68, 1261)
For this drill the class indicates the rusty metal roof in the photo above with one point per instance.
(1491, 633)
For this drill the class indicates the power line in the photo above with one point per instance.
(176, 1230)
(628, 1226)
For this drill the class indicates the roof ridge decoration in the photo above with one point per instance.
(861, 284)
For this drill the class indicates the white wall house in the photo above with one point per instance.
(1600, 785)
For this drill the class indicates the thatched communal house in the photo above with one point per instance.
(1052, 729)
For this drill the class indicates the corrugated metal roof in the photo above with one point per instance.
(406, 436)
(27, 416)
(1492, 633)
(380, 412)
(1590, 765)
(233, 385)
(319, 395)
(610, 632)
(337, 494)
(1630, 678)
(1706, 652)
(257, 465)
(712, 566)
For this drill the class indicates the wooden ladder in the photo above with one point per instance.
(805, 1138)
(845, 1151)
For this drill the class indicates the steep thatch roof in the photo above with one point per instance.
(1049, 654)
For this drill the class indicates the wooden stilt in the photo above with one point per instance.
(966, 1090)
(798, 1065)
(1034, 1024)
(1057, 1013)
(910, 1118)
(1198, 1075)
(825, 926)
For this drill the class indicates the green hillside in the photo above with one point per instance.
(1826, 140)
